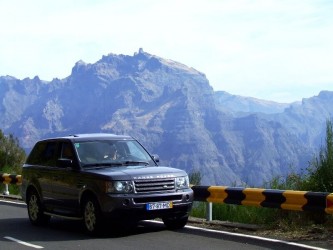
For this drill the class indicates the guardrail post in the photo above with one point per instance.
(6, 192)
(209, 211)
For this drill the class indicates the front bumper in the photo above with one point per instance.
(133, 206)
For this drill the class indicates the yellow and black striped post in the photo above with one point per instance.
(282, 199)
(11, 179)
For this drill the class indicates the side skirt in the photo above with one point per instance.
(63, 216)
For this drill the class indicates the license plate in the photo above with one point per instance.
(159, 205)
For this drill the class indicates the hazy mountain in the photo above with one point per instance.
(174, 112)
(239, 104)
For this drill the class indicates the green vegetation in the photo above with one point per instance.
(235, 213)
(318, 177)
(320, 171)
(195, 178)
(12, 156)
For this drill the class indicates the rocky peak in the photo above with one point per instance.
(171, 109)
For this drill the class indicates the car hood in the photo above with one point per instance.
(136, 172)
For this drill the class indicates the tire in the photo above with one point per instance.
(92, 218)
(176, 222)
(35, 210)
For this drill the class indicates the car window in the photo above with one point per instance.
(67, 151)
(87, 151)
(43, 154)
(111, 151)
(137, 151)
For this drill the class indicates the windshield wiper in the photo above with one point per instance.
(102, 165)
(113, 164)
(135, 162)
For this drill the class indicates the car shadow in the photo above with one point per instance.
(68, 230)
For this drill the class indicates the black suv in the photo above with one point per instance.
(94, 177)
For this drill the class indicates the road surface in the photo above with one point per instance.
(17, 233)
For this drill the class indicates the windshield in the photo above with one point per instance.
(106, 153)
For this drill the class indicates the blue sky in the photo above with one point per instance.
(279, 50)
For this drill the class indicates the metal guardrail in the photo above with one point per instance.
(11, 179)
(270, 198)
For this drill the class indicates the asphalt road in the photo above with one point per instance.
(17, 233)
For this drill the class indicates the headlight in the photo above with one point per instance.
(182, 182)
(119, 187)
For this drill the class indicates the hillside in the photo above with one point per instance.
(239, 105)
(174, 112)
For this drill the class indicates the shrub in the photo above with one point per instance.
(12, 156)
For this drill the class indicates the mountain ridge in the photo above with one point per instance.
(174, 112)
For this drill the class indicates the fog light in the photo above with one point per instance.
(126, 202)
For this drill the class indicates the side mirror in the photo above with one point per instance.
(156, 158)
(64, 163)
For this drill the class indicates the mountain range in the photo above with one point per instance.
(174, 112)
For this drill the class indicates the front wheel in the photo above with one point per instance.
(92, 217)
(35, 210)
(175, 222)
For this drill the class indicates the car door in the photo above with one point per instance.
(66, 180)
(42, 159)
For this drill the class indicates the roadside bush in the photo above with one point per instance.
(195, 178)
(12, 156)
(320, 171)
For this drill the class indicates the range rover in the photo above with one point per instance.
(102, 178)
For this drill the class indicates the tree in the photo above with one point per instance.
(195, 178)
(320, 171)
(12, 156)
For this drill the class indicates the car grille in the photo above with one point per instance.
(154, 185)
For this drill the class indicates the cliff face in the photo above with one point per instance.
(173, 111)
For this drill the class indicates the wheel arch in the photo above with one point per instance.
(85, 195)
(33, 188)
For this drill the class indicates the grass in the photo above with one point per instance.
(236, 213)
(13, 189)
(268, 217)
